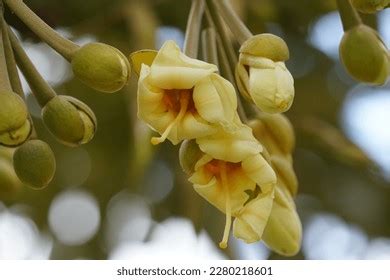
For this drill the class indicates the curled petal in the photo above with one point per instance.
(171, 69)
(215, 100)
(260, 171)
(230, 146)
(252, 219)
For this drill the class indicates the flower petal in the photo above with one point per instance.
(171, 69)
(260, 171)
(252, 219)
(272, 90)
(283, 233)
(230, 146)
(215, 100)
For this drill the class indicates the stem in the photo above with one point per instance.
(11, 63)
(236, 25)
(228, 74)
(215, 19)
(63, 46)
(209, 46)
(40, 88)
(191, 40)
(4, 78)
(349, 16)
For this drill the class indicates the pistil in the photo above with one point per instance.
(184, 100)
(228, 208)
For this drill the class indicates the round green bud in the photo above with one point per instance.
(364, 55)
(9, 182)
(370, 6)
(15, 126)
(35, 164)
(266, 45)
(101, 67)
(71, 121)
(189, 154)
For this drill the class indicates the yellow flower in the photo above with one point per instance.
(226, 177)
(262, 76)
(182, 98)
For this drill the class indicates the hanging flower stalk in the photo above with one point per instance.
(187, 101)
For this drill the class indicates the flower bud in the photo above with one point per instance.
(9, 182)
(189, 154)
(266, 45)
(285, 172)
(364, 55)
(101, 67)
(275, 132)
(70, 121)
(262, 76)
(283, 232)
(370, 6)
(35, 164)
(15, 126)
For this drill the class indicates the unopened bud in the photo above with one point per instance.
(101, 67)
(364, 55)
(15, 126)
(71, 121)
(35, 164)
(283, 233)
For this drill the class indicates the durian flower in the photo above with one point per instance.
(182, 98)
(231, 169)
(261, 74)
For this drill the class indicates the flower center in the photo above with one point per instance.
(179, 102)
(172, 99)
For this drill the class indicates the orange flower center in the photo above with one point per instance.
(172, 99)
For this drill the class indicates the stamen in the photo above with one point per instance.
(228, 208)
(184, 101)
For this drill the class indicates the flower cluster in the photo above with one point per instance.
(186, 100)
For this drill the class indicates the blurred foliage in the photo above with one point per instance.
(329, 167)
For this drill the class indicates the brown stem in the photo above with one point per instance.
(236, 25)
(209, 46)
(191, 40)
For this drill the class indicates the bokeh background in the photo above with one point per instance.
(120, 198)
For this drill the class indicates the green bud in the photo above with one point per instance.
(15, 127)
(101, 67)
(35, 164)
(370, 6)
(71, 121)
(364, 55)
(9, 182)
(266, 45)
(189, 154)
